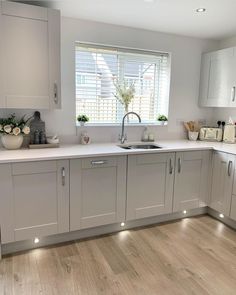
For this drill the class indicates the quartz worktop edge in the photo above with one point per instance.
(72, 151)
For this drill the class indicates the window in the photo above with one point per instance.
(98, 67)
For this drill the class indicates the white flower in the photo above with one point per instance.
(26, 130)
(1, 127)
(7, 128)
(16, 131)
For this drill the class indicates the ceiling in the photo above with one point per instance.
(170, 16)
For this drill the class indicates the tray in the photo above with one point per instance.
(44, 146)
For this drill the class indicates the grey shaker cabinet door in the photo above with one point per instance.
(218, 79)
(97, 191)
(222, 182)
(30, 56)
(40, 199)
(191, 180)
(149, 185)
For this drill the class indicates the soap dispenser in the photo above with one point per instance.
(229, 132)
(145, 134)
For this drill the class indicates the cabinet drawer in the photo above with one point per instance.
(151, 158)
(99, 162)
(34, 167)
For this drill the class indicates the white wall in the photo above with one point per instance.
(186, 56)
(223, 114)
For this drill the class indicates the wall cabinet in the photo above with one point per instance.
(29, 57)
(36, 198)
(150, 182)
(191, 180)
(218, 79)
(222, 182)
(97, 191)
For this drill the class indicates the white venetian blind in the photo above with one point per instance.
(98, 67)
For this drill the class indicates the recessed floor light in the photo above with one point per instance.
(36, 240)
(122, 224)
(221, 215)
(201, 9)
(184, 212)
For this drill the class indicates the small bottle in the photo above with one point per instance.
(150, 136)
(145, 134)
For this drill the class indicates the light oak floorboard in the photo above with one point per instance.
(191, 256)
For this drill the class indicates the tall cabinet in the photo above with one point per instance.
(29, 57)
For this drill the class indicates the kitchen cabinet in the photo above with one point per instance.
(149, 185)
(233, 208)
(97, 191)
(222, 182)
(29, 57)
(6, 204)
(191, 180)
(218, 79)
(37, 200)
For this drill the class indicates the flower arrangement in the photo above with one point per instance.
(124, 93)
(13, 126)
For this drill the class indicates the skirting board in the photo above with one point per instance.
(96, 231)
(226, 220)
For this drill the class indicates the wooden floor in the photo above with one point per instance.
(191, 256)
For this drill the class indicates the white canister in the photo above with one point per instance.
(193, 135)
(229, 133)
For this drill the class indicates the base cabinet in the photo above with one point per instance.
(149, 185)
(97, 191)
(222, 182)
(191, 180)
(38, 200)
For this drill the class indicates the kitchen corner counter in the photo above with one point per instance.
(71, 151)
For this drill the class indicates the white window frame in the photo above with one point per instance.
(133, 51)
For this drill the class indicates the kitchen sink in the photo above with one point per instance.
(140, 146)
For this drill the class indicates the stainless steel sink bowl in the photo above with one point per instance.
(140, 147)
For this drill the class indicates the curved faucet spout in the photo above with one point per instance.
(123, 136)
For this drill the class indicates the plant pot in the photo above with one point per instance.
(12, 142)
(82, 123)
(192, 135)
(162, 123)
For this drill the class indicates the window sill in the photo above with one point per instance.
(119, 124)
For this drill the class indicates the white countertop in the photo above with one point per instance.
(107, 149)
